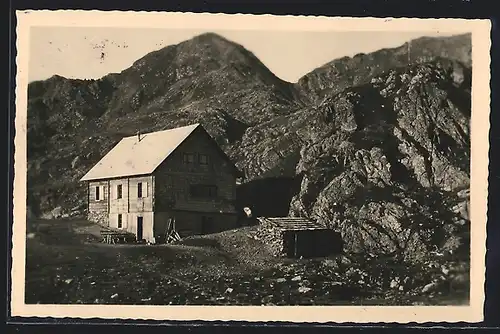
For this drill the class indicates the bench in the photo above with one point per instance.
(114, 237)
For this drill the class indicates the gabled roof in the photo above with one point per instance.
(139, 157)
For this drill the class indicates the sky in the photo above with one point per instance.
(77, 52)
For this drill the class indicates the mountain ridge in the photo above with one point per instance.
(342, 71)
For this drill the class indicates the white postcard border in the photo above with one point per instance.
(320, 314)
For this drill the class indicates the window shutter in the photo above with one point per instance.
(146, 190)
(112, 192)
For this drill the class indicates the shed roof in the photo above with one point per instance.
(293, 223)
(138, 157)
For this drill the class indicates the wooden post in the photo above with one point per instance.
(88, 199)
(295, 245)
(152, 193)
(128, 196)
(109, 202)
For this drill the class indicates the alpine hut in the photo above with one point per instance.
(149, 180)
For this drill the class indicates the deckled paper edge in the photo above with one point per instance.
(319, 314)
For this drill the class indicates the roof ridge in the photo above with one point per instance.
(135, 157)
(194, 125)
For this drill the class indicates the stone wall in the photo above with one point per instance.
(272, 237)
(98, 217)
(98, 207)
(191, 223)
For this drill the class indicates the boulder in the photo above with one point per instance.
(29, 213)
(75, 162)
(47, 215)
(430, 287)
(57, 212)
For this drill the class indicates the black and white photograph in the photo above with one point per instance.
(210, 164)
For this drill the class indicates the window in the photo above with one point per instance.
(99, 193)
(139, 189)
(203, 191)
(120, 223)
(188, 158)
(142, 189)
(119, 191)
(204, 159)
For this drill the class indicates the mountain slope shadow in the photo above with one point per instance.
(268, 197)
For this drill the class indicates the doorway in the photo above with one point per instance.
(140, 223)
(207, 225)
(290, 244)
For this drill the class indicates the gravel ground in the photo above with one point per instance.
(66, 263)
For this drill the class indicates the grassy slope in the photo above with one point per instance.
(67, 264)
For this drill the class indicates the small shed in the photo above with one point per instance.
(299, 237)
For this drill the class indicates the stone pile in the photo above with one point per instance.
(271, 236)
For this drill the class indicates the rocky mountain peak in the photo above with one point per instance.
(200, 55)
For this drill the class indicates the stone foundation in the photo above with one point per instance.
(191, 223)
(101, 218)
(272, 237)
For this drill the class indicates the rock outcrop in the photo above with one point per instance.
(389, 151)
